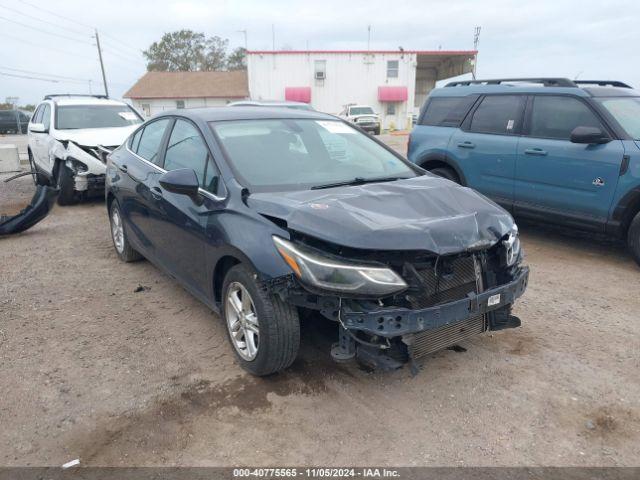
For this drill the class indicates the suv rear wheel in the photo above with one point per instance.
(633, 238)
(263, 330)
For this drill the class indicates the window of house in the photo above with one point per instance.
(179, 103)
(556, 117)
(391, 108)
(151, 140)
(187, 149)
(498, 114)
(320, 69)
(146, 109)
(392, 68)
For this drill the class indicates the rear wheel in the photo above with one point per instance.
(263, 330)
(65, 184)
(125, 251)
(633, 238)
(447, 173)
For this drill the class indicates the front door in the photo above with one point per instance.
(486, 146)
(558, 178)
(182, 244)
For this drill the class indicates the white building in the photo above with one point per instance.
(159, 91)
(394, 83)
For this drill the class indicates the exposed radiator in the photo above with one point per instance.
(430, 341)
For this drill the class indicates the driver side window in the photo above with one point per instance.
(187, 149)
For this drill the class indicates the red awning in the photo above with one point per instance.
(298, 94)
(393, 94)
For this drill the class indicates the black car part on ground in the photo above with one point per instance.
(39, 208)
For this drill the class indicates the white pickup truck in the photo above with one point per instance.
(363, 116)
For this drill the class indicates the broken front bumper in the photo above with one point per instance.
(393, 322)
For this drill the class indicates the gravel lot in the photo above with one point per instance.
(92, 369)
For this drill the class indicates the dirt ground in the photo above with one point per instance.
(93, 367)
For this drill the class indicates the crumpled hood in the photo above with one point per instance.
(422, 213)
(92, 137)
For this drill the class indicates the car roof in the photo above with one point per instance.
(526, 88)
(88, 100)
(216, 114)
(266, 103)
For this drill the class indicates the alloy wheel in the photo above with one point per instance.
(117, 232)
(242, 321)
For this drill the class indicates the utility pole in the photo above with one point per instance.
(273, 37)
(476, 41)
(368, 38)
(104, 76)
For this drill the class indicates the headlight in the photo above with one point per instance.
(512, 246)
(76, 165)
(337, 275)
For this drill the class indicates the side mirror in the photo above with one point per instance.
(38, 128)
(183, 181)
(589, 135)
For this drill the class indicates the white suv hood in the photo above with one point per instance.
(92, 137)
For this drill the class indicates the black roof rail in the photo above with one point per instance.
(603, 83)
(547, 82)
(53, 95)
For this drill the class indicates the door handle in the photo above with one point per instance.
(123, 168)
(156, 193)
(535, 151)
(467, 145)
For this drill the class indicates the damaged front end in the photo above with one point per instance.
(87, 165)
(398, 306)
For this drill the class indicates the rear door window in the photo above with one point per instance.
(557, 116)
(46, 116)
(151, 140)
(498, 114)
(447, 111)
(37, 116)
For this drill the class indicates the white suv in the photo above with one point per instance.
(69, 138)
(363, 116)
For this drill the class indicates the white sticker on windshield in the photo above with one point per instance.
(510, 125)
(335, 127)
(128, 116)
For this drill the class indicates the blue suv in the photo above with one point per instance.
(550, 149)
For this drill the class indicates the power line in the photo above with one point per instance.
(38, 7)
(45, 74)
(41, 20)
(26, 42)
(43, 31)
(29, 78)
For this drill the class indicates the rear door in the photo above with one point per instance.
(485, 147)
(572, 182)
(184, 222)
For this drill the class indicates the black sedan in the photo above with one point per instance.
(266, 214)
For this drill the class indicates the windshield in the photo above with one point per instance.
(361, 111)
(626, 110)
(277, 155)
(72, 117)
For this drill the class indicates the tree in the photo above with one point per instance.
(183, 50)
(189, 51)
(237, 59)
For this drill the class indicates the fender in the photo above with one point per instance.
(434, 159)
(624, 211)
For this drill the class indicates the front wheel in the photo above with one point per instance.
(263, 330)
(633, 238)
(66, 185)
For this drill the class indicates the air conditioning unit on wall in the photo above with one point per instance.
(320, 76)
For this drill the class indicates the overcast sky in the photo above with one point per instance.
(588, 39)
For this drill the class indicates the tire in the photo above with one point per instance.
(447, 173)
(276, 324)
(123, 248)
(65, 184)
(38, 178)
(377, 131)
(633, 238)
